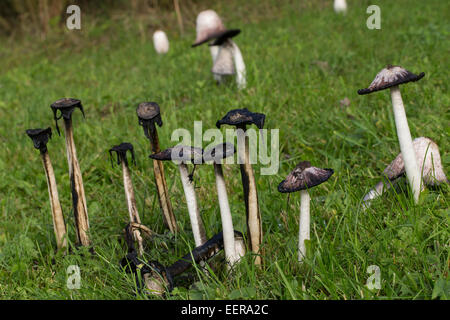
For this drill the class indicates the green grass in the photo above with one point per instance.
(112, 68)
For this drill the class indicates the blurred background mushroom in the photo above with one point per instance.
(160, 42)
(340, 6)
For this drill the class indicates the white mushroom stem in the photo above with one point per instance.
(405, 141)
(225, 214)
(76, 180)
(240, 66)
(194, 213)
(131, 203)
(214, 53)
(57, 215)
(304, 227)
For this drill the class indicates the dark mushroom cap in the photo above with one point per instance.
(218, 36)
(219, 152)
(389, 77)
(121, 151)
(180, 153)
(40, 137)
(304, 176)
(149, 111)
(66, 106)
(223, 36)
(242, 117)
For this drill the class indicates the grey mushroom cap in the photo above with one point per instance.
(149, 111)
(219, 152)
(40, 137)
(242, 117)
(180, 153)
(304, 176)
(389, 77)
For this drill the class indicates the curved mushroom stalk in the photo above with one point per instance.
(40, 139)
(427, 157)
(391, 77)
(302, 178)
(66, 106)
(191, 201)
(121, 151)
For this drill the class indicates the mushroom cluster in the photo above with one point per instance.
(419, 160)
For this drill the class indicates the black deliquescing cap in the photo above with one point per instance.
(304, 176)
(148, 113)
(223, 36)
(40, 137)
(121, 151)
(389, 77)
(242, 117)
(66, 106)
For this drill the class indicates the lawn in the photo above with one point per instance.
(301, 60)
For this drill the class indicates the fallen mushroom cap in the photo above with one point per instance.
(428, 159)
(239, 117)
(180, 153)
(219, 152)
(389, 77)
(304, 176)
(121, 150)
(209, 26)
(40, 137)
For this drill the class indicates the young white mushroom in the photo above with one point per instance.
(160, 42)
(233, 250)
(181, 155)
(430, 166)
(226, 56)
(340, 6)
(303, 177)
(40, 139)
(391, 77)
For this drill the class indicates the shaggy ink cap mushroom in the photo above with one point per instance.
(304, 176)
(389, 77)
(219, 152)
(241, 118)
(65, 106)
(121, 151)
(148, 113)
(209, 26)
(40, 137)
